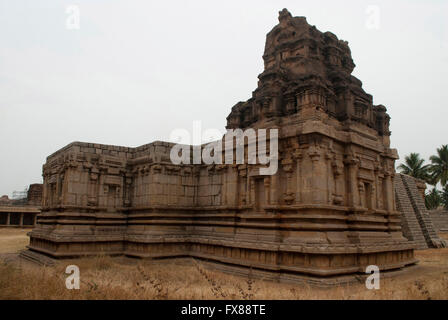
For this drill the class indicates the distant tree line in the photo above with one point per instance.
(433, 174)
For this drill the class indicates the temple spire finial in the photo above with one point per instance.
(284, 14)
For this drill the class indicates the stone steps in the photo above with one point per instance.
(432, 239)
(37, 258)
(411, 226)
(416, 220)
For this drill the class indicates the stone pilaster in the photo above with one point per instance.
(329, 156)
(274, 190)
(251, 192)
(352, 164)
(289, 195)
(389, 201)
(127, 190)
(318, 176)
(298, 156)
(267, 189)
(243, 195)
(92, 199)
(231, 185)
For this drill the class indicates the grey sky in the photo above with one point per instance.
(136, 70)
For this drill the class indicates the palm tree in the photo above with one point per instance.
(413, 166)
(439, 166)
(444, 197)
(433, 199)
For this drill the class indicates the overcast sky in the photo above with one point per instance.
(136, 70)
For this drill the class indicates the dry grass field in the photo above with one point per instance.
(13, 239)
(123, 278)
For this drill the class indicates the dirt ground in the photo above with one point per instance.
(13, 239)
(124, 278)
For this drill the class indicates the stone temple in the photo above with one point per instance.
(327, 212)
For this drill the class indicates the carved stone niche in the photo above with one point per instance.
(338, 178)
(366, 193)
(290, 104)
(112, 186)
(259, 187)
(92, 199)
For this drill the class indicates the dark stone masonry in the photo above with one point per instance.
(328, 211)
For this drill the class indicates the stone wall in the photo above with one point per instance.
(439, 219)
(34, 195)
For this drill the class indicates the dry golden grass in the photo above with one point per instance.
(13, 239)
(122, 278)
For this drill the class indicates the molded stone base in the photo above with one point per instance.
(267, 257)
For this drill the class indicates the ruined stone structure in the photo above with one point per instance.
(417, 224)
(328, 211)
(34, 194)
(23, 212)
(439, 219)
